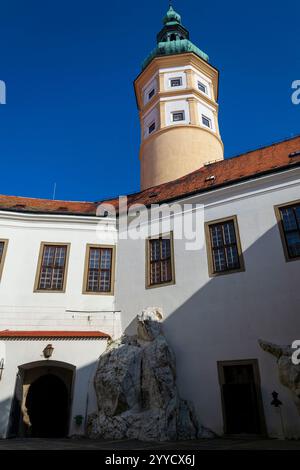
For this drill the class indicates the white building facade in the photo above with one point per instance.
(72, 278)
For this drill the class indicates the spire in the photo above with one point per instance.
(172, 16)
(173, 38)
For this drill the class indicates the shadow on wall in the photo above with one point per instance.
(224, 319)
(51, 399)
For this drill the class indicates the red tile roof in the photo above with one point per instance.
(256, 163)
(52, 334)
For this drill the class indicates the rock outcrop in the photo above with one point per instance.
(289, 373)
(136, 389)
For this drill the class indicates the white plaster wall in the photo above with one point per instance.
(201, 78)
(175, 106)
(176, 74)
(149, 87)
(150, 117)
(83, 354)
(216, 319)
(21, 307)
(208, 112)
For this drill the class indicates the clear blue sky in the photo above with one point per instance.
(69, 66)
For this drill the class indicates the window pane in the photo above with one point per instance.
(45, 279)
(202, 87)
(178, 116)
(297, 212)
(48, 258)
(104, 281)
(232, 257)
(94, 261)
(166, 274)
(165, 248)
(155, 250)
(155, 273)
(152, 128)
(57, 279)
(1, 250)
(229, 235)
(106, 258)
(176, 82)
(219, 260)
(288, 218)
(60, 254)
(293, 242)
(216, 235)
(206, 121)
(93, 281)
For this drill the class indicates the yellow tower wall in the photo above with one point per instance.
(176, 151)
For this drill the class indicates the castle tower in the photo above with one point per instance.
(177, 94)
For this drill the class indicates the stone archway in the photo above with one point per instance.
(43, 399)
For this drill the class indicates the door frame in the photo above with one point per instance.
(17, 426)
(257, 384)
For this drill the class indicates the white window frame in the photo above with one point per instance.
(154, 129)
(199, 82)
(178, 112)
(203, 116)
(151, 91)
(173, 79)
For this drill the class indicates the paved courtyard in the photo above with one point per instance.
(204, 444)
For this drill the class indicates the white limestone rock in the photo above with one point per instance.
(289, 373)
(136, 389)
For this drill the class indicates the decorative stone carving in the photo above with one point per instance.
(136, 389)
(289, 373)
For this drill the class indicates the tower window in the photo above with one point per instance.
(202, 87)
(152, 93)
(175, 82)
(151, 128)
(206, 121)
(178, 116)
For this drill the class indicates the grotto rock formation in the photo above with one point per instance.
(136, 389)
(289, 373)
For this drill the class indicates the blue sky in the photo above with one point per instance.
(69, 68)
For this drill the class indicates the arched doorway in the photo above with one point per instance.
(47, 407)
(42, 400)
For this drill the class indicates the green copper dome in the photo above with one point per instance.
(174, 38)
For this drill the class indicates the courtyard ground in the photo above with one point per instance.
(193, 446)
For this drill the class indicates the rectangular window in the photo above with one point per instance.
(175, 82)
(98, 277)
(206, 121)
(289, 224)
(160, 261)
(151, 128)
(202, 87)
(3, 248)
(152, 93)
(52, 267)
(224, 249)
(178, 116)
